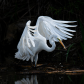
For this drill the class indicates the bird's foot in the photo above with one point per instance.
(33, 66)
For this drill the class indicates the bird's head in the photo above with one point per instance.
(62, 43)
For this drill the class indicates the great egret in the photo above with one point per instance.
(34, 38)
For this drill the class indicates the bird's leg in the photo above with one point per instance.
(36, 59)
(32, 64)
(32, 61)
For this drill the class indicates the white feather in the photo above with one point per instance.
(34, 38)
(56, 27)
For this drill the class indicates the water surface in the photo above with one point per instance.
(12, 77)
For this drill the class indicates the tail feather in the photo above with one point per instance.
(18, 55)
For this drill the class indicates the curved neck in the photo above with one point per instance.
(50, 49)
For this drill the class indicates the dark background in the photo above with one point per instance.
(15, 13)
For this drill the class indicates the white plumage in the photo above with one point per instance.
(34, 38)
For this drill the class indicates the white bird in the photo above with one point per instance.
(34, 38)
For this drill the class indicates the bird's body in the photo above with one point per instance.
(34, 38)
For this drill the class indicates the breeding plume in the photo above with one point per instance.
(34, 38)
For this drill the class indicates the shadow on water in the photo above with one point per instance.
(12, 77)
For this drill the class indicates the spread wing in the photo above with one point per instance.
(48, 26)
(26, 42)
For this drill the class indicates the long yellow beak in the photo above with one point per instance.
(62, 43)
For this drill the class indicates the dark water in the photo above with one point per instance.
(8, 77)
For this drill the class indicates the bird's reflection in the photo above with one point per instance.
(32, 80)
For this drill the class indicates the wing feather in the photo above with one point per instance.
(48, 26)
(60, 21)
(66, 32)
(25, 43)
(65, 29)
(56, 31)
